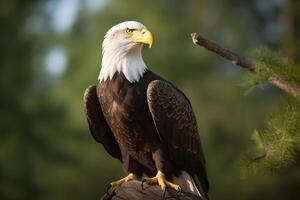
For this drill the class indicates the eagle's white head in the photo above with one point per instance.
(122, 51)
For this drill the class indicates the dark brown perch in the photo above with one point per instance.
(237, 60)
(132, 190)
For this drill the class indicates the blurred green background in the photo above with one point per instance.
(51, 51)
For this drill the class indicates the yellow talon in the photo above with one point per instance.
(161, 181)
(129, 177)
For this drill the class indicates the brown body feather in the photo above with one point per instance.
(149, 125)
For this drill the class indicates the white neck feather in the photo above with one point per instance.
(122, 60)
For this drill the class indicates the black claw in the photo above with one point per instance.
(142, 184)
(164, 193)
(108, 188)
(179, 191)
(108, 195)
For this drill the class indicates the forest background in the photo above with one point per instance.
(51, 51)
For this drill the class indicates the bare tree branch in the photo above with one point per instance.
(237, 60)
(133, 190)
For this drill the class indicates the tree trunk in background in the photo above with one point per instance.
(289, 28)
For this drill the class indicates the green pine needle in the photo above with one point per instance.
(277, 146)
(272, 64)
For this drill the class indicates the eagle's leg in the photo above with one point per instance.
(132, 167)
(163, 165)
(160, 179)
(129, 177)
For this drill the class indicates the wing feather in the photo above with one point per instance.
(97, 123)
(176, 124)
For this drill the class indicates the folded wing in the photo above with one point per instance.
(97, 123)
(177, 127)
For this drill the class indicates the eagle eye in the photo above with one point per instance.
(129, 30)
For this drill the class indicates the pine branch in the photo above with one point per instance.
(237, 60)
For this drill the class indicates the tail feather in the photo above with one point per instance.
(188, 183)
(202, 184)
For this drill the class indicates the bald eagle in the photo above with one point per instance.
(142, 119)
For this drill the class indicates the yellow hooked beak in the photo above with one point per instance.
(142, 36)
